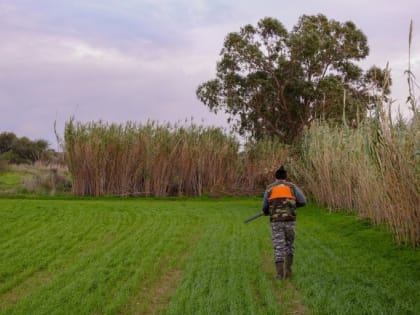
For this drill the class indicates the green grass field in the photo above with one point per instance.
(193, 256)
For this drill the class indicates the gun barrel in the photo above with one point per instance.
(256, 216)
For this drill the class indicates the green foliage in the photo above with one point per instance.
(274, 82)
(183, 256)
(21, 150)
(6, 141)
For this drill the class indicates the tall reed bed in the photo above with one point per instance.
(373, 170)
(161, 160)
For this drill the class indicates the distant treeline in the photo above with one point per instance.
(22, 150)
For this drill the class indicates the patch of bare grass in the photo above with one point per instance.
(24, 289)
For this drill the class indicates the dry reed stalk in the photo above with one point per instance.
(366, 170)
(161, 160)
(260, 159)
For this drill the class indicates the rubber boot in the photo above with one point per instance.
(289, 262)
(281, 270)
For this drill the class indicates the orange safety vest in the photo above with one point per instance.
(281, 191)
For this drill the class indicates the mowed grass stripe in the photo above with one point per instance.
(157, 285)
(62, 237)
(224, 274)
(124, 264)
(110, 238)
(100, 275)
(149, 262)
(38, 250)
(16, 223)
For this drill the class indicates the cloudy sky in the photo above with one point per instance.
(120, 60)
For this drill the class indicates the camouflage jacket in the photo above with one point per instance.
(281, 199)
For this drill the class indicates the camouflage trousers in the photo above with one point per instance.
(283, 237)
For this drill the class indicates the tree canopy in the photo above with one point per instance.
(21, 150)
(274, 82)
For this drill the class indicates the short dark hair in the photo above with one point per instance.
(281, 173)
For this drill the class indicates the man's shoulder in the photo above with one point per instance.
(275, 183)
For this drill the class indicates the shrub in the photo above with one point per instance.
(48, 180)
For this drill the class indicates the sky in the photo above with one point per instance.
(135, 60)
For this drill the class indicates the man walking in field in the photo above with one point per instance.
(281, 199)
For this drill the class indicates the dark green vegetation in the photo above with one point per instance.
(22, 150)
(273, 82)
(183, 256)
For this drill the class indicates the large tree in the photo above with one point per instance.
(274, 82)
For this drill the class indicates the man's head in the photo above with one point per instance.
(281, 173)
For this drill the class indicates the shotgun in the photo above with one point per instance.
(256, 216)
